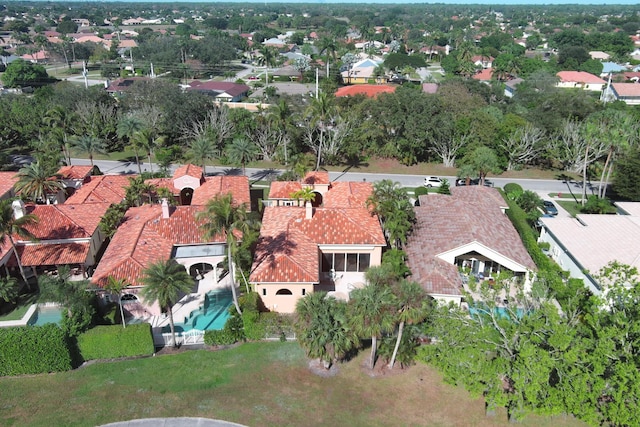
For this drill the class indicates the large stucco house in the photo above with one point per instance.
(325, 246)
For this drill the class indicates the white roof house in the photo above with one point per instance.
(585, 244)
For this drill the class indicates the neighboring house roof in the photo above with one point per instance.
(7, 181)
(287, 250)
(74, 172)
(579, 77)
(632, 75)
(53, 254)
(430, 88)
(359, 72)
(214, 186)
(626, 89)
(57, 222)
(470, 216)
(125, 84)
(370, 91)
(483, 75)
(146, 237)
(595, 240)
(513, 83)
(316, 177)
(127, 43)
(602, 56)
(230, 88)
(36, 56)
(101, 189)
(612, 67)
(283, 189)
(188, 170)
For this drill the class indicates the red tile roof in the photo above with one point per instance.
(66, 221)
(163, 183)
(188, 170)
(283, 189)
(316, 177)
(146, 237)
(483, 75)
(74, 172)
(288, 251)
(101, 189)
(470, 214)
(7, 181)
(370, 91)
(627, 89)
(53, 254)
(238, 186)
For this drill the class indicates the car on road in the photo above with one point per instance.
(432, 181)
(549, 208)
(475, 181)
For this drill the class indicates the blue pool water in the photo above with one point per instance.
(44, 315)
(501, 311)
(212, 316)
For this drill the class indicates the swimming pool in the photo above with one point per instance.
(211, 316)
(46, 314)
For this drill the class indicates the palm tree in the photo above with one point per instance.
(127, 127)
(202, 149)
(412, 307)
(59, 121)
(34, 182)
(328, 45)
(241, 151)
(371, 314)
(88, 144)
(164, 282)
(306, 194)
(220, 216)
(116, 286)
(9, 226)
(320, 112)
(269, 56)
(322, 328)
(147, 140)
(8, 289)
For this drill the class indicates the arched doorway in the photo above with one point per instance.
(199, 269)
(186, 194)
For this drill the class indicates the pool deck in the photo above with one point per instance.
(193, 301)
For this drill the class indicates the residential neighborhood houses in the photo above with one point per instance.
(504, 255)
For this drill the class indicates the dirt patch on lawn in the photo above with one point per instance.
(381, 369)
(317, 367)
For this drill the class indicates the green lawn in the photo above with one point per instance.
(17, 312)
(257, 384)
(570, 206)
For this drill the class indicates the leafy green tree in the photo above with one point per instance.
(35, 183)
(625, 181)
(392, 205)
(22, 73)
(412, 305)
(90, 145)
(222, 218)
(483, 160)
(242, 151)
(322, 328)
(8, 289)
(10, 226)
(444, 187)
(164, 282)
(371, 315)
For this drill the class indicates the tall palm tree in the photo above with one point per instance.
(59, 121)
(372, 314)
(10, 226)
(328, 45)
(147, 140)
(322, 328)
(412, 307)
(220, 216)
(116, 286)
(90, 145)
(127, 127)
(320, 112)
(35, 182)
(242, 151)
(164, 282)
(202, 149)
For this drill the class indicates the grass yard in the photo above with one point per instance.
(570, 206)
(256, 384)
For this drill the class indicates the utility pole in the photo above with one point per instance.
(153, 74)
(84, 74)
(316, 83)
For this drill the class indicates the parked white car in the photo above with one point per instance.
(432, 181)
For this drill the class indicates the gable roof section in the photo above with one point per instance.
(348, 194)
(579, 77)
(316, 177)
(74, 172)
(188, 170)
(7, 181)
(100, 189)
(66, 221)
(283, 189)
(626, 89)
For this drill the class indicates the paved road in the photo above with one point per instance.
(538, 185)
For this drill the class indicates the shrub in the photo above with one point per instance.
(34, 350)
(419, 191)
(112, 341)
(221, 337)
(596, 205)
(513, 190)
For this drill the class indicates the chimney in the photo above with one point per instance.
(165, 208)
(309, 210)
(18, 209)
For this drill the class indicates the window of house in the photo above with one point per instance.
(364, 262)
(304, 291)
(338, 262)
(345, 262)
(352, 262)
(129, 299)
(284, 292)
(264, 292)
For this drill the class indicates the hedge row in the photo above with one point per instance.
(112, 341)
(34, 350)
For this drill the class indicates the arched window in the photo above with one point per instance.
(129, 299)
(284, 292)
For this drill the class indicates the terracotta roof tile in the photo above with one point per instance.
(66, 221)
(53, 254)
(101, 189)
(238, 186)
(188, 170)
(370, 91)
(7, 181)
(74, 172)
(347, 194)
(283, 189)
(579, 76)
(316, 177)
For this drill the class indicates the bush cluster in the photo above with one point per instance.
(112, 341)
(34, 350)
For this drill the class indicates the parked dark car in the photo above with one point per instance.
(549, 208)
(475, 181)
